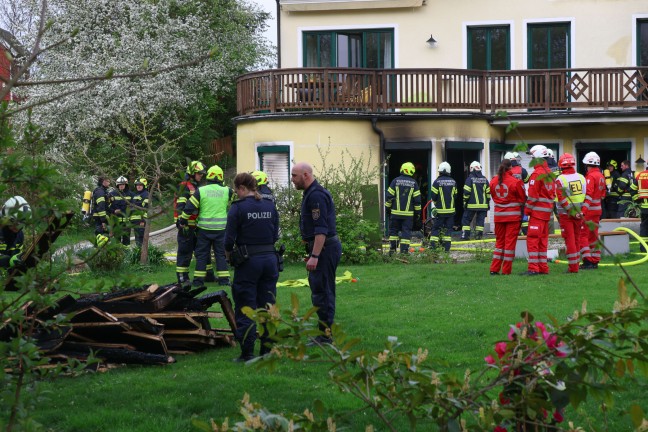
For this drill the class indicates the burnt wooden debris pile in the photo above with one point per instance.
(138, 325)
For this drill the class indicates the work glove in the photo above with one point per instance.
(16, 261)
(101, 240)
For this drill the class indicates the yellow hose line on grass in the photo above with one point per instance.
(474, 241)
(629, 263)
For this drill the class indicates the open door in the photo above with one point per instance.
(460, 155)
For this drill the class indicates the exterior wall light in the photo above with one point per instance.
(431, 42)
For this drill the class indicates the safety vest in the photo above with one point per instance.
(213, 206)
(444, 190)
(570, 190)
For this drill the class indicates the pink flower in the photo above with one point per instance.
(499, 428)
(489, 359)
(558, 417)
(500, 349)
(511, 334)
(541, 326)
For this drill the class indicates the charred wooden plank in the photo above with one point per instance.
(80, 346)
(50, 339)
(92, 314)
(63, 304)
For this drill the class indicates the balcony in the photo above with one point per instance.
(442, 90)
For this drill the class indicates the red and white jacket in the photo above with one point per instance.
(594, 192)
(542, 192)
(508, 197)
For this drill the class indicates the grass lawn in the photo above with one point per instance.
(456, 311)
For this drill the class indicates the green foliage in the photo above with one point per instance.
(105, 259)
(633, 209)
(155, 256)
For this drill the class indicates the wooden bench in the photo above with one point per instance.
(617, 242)
(610, 224)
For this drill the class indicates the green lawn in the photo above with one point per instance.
(456, 311)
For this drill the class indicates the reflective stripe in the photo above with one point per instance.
(516, 204)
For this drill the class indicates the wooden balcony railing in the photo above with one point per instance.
(441, 90)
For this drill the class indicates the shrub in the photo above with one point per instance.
(155, 256)
(106, 259)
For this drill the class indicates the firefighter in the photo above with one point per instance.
(253, 227)
(570, 193)
(210, 203)
(403, 205)
(612, 197)
(119, 200)
(551, 162)
(14, 212)
(100, 209)
(139, 212)
(509, 197)
(476, 201)
(262, 184)
(595, 191)
(187, 235)
(640, 188)
(443, 193)
(539, 208)
(623, 184)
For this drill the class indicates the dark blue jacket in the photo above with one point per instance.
(317, 213)
(11, 243)
(251, 222)
(266, 193)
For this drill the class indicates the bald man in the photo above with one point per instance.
(317, 226)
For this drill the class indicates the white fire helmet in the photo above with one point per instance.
(592, 158)
(475, 166)
(14, 206)
(539, 151)
(444, 167)
(509, 155)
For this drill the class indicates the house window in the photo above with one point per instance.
(548, 46)
(275, 162)
(489, 48)
(350, 48)
(642, 39)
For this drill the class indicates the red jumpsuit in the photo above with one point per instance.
(570, 192)
(539, 208)
(509, 198)
(592, 211)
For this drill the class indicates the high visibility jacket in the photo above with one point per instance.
(476, 192)
(519, 172)
(594, 191)
(641, 189)
(444, 191)
(120, 200)
(140, 199)
(570, 192)
(99, 204)
(11, 243)
(541, 193)
(210, 202)
(611, 180)
(509, 197)
(403, 197)
(623, 184)
(185, 191)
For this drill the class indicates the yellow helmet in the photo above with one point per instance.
(613, 163)
(215, 173)
(195, 167)
(141, 181)
(408, 169)
(260, 177)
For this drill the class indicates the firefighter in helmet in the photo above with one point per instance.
(595, 192)
(119, 200)
(476, 201)
(262, 185)
(139, 212)
(570, 194)
(14, 212)
(403, 205)
(210, 203)
(640, 195)
(444, 193)
(100, 197)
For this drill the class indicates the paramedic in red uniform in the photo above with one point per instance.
(595, 192)
(507, 192)
(539, 208)
(570, 193)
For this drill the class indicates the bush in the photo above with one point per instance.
(106, 259)
(155, 256)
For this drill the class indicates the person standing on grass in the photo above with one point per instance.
(139, 214)
(443, 193)
(253, 227)
(570, 194)
(100, 203)
(119, 200)
(508, 197)
(623, 183)
(592, 210)
(318, 230)
(539, 208)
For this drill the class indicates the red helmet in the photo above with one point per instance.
(566, 160)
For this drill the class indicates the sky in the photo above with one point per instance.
(270, 6)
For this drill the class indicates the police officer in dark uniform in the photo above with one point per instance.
(100, 208)
(262, 185)
(318, 230)
(253, 228)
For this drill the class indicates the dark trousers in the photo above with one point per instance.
(466, 220)
(643, 228)
(403, 226)
(122, 230)
(621, 208)
(611, 207)
(186, 246)
(99, 227)
(322, 283)
(441, 231)
(208, 240)
(254, 286)
(139, 233)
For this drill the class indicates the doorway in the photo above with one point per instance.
(617, 151)
(460, 159)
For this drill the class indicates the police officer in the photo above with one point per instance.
(210, 202)
(476, 201)
(623, 184)
(570, 194)
(318, 230)
(119, 208)
(100, 209)
(444, 192)
(262, 185)
(612, 198)
(253, 227)
(139, 212)
(187, 235)
(14, 211)
(403, 204)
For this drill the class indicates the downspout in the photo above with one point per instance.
(381, 183)
(278, 34)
